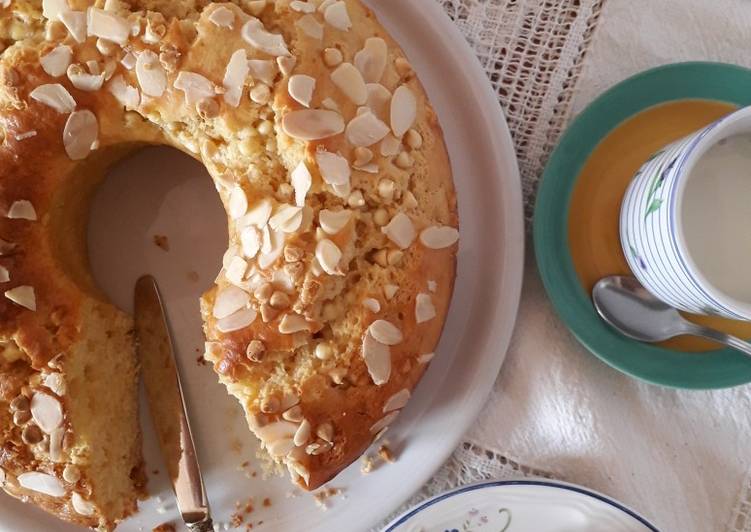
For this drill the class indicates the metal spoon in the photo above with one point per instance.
(628, 307)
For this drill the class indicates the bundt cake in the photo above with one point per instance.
(342, 226)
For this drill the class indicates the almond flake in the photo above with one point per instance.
(396, 401)
(390, 291)
(279, 430)
(337, 16)
(129, 97)
(432, 286)
(439, 237)
(403, 110)
(371, 304)
(52, 9)
(150, 74)
(286, 64)
(385, 332)
(310, 27)
(349, 80)
(250, 241)
(238, 320)
(236, 270)
(259, 214)
(107, 25)
(81, 505)
(329, 256)
(255, 34)
(301, 181)
(195, 86)
(288, 219)
(75, 23)
(229, 300)
(56, 96)
(292, 323)
(238, 203)
(312, 124)
(263, 70)
(4, 274)
(379, 100)
(325, 4)
(329, 103)
(235, 74)
(56, 62)
(56, 383)
(41, 483)
(302, 7)
(280, 448)
(256, 7)
(84, 81)
(334, 168)
(424, 309)
(275, 240)
(400, 230)
(390, 146)
(2, 476)
(424, 359)
(47, 412)
(129, 61)
(24, 296)
(365, 130)
(332, 222)
(384, 422)
(22, 209)
(301, 88)
(222, 17)
(377, 357)
(302, 436)
(371, 60)
(80, 132)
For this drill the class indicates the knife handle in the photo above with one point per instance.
(202, 526)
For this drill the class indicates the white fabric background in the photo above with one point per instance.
(680, 458)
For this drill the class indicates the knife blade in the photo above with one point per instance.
(167, 405)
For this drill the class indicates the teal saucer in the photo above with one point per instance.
(717, 82)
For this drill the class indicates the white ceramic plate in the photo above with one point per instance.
(521, 506)
(162, 192)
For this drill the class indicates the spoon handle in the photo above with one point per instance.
(721, 337)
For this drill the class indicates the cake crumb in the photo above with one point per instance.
(236, 445)
(164, 527)
(266, 502)
(384, 451)
(236, 520)
(202, 361)
(162, 242)
(323, 495)
(367, 464)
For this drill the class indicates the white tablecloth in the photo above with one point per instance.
(680, 458)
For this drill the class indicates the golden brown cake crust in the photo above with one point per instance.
(329, 305)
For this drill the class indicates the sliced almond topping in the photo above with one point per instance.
(302, 436)
(107, 25)
(195, 86)
(385, 332)
(238, 320)
(2, 476)
(365, 130)
(424, 309)
(56, 62)
(301, 88)
(150, 73)
(79, 134)
(280, 448)
(75, 23)
(47, 412)
(390, 146)
(390, 291)
(24, 296)
(310, 27)
(400, 230)
(52, 9)
(302, 7)
(372, 304)
(259, 214)
(23, 210)
(279, 430)
(236, 271)
(439, 237)
(292, 323)
(371, 60)
(403, 110)
(332, 222)
(301, 181)
(384, 422)
(312, 124)
(222, 17)
(129, 97)
(81, 505)
(263, 70)
(235, 74)
(4, 274)
(56, 383)
(334, 168)
(337, 16)
(293, 414)
(250, 241)
(377, 358)
(287, 219)
(349, 80)
(256, 7)
(424, 359)
(41, 483)
(325, 4)
(286, 64)
(396, 401)
(379, 100)
(255, 34)
(329, 256)
(238, 203)
(229, 300)
(332, 57)
(276, 240)
(83, 80)
(129, 61)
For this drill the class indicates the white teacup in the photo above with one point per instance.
(686, 218)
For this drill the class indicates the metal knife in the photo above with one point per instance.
(167, 406)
